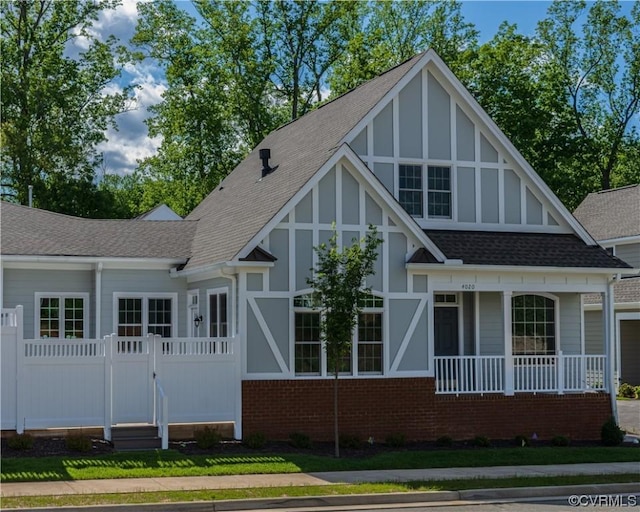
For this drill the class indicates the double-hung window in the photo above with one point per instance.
(306, 336)
(439, 192)
(139, 315)
(410, 192)
(62, 315)
(369, 335)
(218, 313)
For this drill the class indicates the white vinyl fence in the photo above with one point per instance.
(51, 383)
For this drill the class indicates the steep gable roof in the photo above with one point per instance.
(243, 203)
(34, 232)
(611, 213)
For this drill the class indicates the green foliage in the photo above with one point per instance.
(207, 438)
(560, 441)
(522, 441)
(20, 442)
(255, 440)
(626, 390)
(481, 442)
(350, 441)
(395, 440)
(78, 443)
(57, 102)
(637, 389)
(444, 441)
(300, 440)
(611, 434)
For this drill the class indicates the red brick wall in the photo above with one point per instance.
(379, 407)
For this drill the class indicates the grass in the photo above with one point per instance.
(172, 463)
(328, 490)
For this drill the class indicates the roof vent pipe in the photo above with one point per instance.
(265, 154)
(30, 196)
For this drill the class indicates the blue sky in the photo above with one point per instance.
(132, 143)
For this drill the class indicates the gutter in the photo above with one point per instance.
(458, 265)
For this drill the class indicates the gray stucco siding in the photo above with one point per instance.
(534, 209)
(374, 281)
(350, 199)
(373, 212)
(420, 284)
(260, 358)
(489, 195)
(401, 312)
(359, 143)
(21, 285)
(491, 324)
(466, 194)
(512, 207)
(416, 356)
(410, 119)
(304, 257)
(439, 112)
(327, 197)
(279, 247)
(465, 138)
(254, 282)
(397, 254)
(487, 152)
(276, 315)
(384, 172)
(383, 132)
(304, 209)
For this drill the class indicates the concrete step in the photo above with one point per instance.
(135, 437)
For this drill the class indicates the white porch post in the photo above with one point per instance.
(108, 395)
(21, 381)
(609, 338)
(508, 344)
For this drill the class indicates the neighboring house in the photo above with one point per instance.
(612, 217)
(474, 323)
(160, 212)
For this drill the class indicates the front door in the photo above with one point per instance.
(446, 331)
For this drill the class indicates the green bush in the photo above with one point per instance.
(611, 434)
(626, 391)
(255, 441)
(522, 441)
(444, 441)
(481, 442)
(396, 440)
(350, 441)
(560, 441)
(638, 392)
(300, 440)
(207, 438)
(21, 442)
(78, 443)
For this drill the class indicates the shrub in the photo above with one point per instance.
(611, 434)
(626, 391)
(638, 392)
(78, 443)
(481, 442)
(300, 440)
(560, 441)
(396, 440)
(444, 441)
(255, 441)
(207, 438)
(522, 441)
(350, 441)
(21, 442)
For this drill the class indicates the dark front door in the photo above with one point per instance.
(446, 331)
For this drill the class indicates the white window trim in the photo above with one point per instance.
(145, 308)
(191, 311)
(356, 340)
(63, 295)
(220, 291)
(323, 357)
(425, 184)
(556, 312)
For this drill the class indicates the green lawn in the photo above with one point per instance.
(329, 490)
(172, 463)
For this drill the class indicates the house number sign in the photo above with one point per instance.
(468, 286)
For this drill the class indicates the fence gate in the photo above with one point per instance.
(133, 366)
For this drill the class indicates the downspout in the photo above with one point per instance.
(611, 345)
(98, 299)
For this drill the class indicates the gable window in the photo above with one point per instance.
(61, 316)
(306, 336)
(139, 315)
(410, 192)
(218, 315)
(533, 325)
(439, 192)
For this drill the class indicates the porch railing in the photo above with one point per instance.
(530, 374)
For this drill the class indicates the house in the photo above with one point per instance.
(473, 326)
(612, 217)
(160, 212)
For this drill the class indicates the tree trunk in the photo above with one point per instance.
(335, 414)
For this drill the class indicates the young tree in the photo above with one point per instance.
(339, 286)
(57, 101)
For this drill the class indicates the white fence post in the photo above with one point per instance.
(108, 387)
(21, 381)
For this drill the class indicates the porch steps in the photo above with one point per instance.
(135, 437)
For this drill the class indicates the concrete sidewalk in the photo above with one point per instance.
(301, 479)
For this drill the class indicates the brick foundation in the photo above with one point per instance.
(379, 407)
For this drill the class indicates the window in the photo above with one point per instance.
(306, 336)
(439, 192)
(369, 335)
(533, 325)
(410, 193)
(139, 315)
(61, 316)
(218, 321)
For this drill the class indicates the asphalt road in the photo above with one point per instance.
(629, 415)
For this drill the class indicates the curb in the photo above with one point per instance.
(359, 500)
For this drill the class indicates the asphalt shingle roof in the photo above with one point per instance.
(611, 213)
(522, 249)
(625, 290)
(33, 232)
